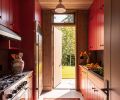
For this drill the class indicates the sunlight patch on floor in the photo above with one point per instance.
(61, 94)
(66, 84)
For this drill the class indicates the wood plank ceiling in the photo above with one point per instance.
(69, 4)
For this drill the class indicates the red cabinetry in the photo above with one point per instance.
(90, 85)
(83, 81)
(5, 12)
(9, 17)
(96, 25)
(11, 11)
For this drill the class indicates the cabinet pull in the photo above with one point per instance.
(101, 45)
(95, 90)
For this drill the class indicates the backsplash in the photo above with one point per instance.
(97, 57)
(3, 61)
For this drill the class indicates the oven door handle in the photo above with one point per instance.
(20, 93)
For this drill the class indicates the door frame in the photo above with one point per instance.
(53, 25)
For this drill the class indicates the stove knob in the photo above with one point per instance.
(25, 82)
(19, 87)
(14, 91)
(9, 96)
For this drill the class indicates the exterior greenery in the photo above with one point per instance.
(68, 46)
(68, 72)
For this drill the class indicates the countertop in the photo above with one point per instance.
(102, 78)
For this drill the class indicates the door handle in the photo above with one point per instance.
(107, 89)
(36, 88)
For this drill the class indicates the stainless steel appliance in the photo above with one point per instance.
(38, 56)
(14, 88)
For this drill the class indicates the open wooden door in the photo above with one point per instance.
(57, 56)
(112, 49)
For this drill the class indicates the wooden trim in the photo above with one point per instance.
(47, 49)
(63, 23)
(81, 38)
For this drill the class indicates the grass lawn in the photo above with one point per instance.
(68, 72)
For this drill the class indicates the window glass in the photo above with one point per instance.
(63, 18)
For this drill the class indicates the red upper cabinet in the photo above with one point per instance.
(9, 17)
(96, 25)
(11, 10)
(100, 32)
(5, 12)
(14, 15)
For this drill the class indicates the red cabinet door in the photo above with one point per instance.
(96, 26)
(83, 86)
(100, 29)
(90, 90)
(92, 34)
(5, 12)
(11, 14)
(16, 16)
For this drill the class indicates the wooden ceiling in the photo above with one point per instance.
(69, 4)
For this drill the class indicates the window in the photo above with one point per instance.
(63, 18)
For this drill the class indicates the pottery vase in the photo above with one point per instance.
(18, 66)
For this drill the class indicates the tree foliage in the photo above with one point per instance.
(68, 44)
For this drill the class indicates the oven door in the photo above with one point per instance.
(22, 95)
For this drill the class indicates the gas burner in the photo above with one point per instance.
(8, 80)
(3, 85)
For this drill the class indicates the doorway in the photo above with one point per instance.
(64, 57)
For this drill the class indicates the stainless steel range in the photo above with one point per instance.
(14, 87)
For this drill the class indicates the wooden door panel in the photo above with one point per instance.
(57, 56)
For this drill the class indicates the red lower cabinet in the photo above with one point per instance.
(94, 93)
(90, 85)
(83, 86)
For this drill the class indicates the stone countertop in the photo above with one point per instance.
(99, 76)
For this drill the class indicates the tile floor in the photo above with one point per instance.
(64, 90)
(66, 84)
(61, 94)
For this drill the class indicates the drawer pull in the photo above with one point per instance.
(101, 45)
(95, 90)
